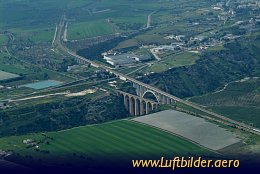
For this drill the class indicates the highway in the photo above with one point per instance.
(126, 77)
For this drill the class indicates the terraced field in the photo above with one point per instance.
(123, 139)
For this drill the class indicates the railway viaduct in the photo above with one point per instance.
(138, 105)
(162, 97)
(142, 89)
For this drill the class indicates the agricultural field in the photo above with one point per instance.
(130, 43)
(150, 38)
(3, 39)
(36, 35)
(70, 112)
(173, 61)
(11, 65)
(193, 128)
(42, 84)
(34, 21)
(122, 140)
(6, 75)
(89, 29)
(238, 100)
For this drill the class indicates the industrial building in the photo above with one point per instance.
(125, 59)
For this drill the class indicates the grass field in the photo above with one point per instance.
(125, 16)
(3, 39)
(89, 29)
(36, 35)
(172, 61)
(128, 43)
(29, 72)
(123, 139)
(10, 65)
(6, 75)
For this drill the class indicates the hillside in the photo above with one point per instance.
(213, 70)
(238, 100)
(60, 114)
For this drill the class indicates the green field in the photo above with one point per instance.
(36, 35)
(172, 61)
(27, 71)
(150, 38)
(3, 39)
(89, 17)
(123, 139)
(7, 75)
(11, 65)
(89, 29)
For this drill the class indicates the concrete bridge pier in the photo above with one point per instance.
(132, 106)
(142, 108)
(148, 107)
(140, 90)
(137, 105)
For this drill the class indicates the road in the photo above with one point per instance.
(34, 95)
(54, 37)
(138, 69)
(40, 96)
(126, 77)
(154, 54)
(65, 33)
(149, 20)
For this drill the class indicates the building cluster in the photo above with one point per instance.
(125, 59)
(194, 44)
(29, 142)
(225, 10)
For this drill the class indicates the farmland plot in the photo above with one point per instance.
(6, 75)
(196, 129)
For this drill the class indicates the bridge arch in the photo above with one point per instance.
(153, 93)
